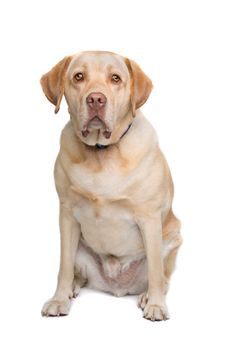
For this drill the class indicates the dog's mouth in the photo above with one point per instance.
(96, 123)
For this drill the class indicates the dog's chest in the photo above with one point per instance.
(104, 210)
(108, 183)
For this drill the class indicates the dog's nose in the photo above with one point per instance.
(96, 100)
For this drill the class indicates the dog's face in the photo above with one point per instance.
(97, 91)
(101, 90)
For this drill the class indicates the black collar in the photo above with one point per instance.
(99, 146)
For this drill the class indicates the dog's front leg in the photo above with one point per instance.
(70, 234)
(152, 302)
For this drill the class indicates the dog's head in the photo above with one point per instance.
(103, 90)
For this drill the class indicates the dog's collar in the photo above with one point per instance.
(100, 146)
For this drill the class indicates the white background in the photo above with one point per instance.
(186, 48)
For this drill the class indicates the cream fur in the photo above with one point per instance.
(116, 214)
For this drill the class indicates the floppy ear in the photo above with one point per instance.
(53, 82)
(141, 85)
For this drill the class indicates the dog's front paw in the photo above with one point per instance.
(152, 311)
(55, 307)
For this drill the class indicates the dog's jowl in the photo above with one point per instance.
(117, 228)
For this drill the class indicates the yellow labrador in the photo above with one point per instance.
(118, 231)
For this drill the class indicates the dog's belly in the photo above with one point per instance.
(109, 229)
(109, 273)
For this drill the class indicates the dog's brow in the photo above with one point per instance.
(80, 65)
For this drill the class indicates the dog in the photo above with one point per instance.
(117, 228)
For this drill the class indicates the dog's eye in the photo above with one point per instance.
(78, 76)
(116, 78)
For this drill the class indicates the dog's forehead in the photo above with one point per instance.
(99, 60)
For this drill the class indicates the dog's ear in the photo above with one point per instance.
(53, 82)
(141, 85)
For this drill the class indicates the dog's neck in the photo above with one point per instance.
(99, 146)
